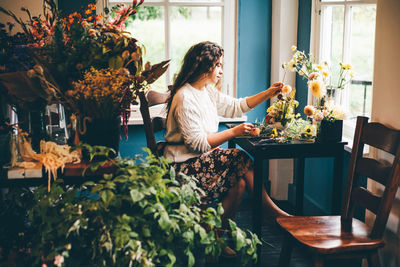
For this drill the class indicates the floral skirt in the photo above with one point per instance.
(216, 171)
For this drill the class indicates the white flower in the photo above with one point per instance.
(291, 65)
(286, 89)
(338, 113)
(58, 260)
(318, 116)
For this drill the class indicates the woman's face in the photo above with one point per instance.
(216, 74)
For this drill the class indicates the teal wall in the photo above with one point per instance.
(137, 140)
(303, 44)
(254, 51)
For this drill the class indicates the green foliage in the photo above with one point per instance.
(144, 215)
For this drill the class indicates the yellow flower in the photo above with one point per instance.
(320, 67)
(325, 73)
(308, 130)
(351, 73)
(293, 48)
(346, 66)
(269, 109)
(317, 88)
(274, 133)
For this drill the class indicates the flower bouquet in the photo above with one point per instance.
(325, 114)
(282, 110)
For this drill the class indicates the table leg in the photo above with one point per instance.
(299, 181)
(257, 207)
(231, 144)
(337, 182)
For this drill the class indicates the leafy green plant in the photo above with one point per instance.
(143, 215)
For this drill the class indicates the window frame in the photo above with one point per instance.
(316, 47)
(229, 34)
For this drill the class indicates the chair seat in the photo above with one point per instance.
(323, 234)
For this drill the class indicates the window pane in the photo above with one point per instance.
(332, 38)
(362, 59)
(148, 29)
(190, 25)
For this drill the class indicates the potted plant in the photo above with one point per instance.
(144, 215)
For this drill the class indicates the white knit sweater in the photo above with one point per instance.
(193, 115)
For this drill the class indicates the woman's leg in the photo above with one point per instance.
(270, 208)
(232, 201)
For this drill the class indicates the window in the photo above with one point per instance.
(168, 28)
(344, 31)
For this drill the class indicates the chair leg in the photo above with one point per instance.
(318, 261)
(286, 251)
(373, 259)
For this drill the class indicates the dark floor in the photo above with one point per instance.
(272, 237)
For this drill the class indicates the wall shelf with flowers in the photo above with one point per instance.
(66, 48)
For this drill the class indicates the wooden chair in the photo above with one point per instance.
(343, 236)
(152, 125)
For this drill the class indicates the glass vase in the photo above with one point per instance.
(333, 96)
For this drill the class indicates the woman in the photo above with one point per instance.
(192, 131)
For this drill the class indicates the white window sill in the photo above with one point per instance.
(158, 110)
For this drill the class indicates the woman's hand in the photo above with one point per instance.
(275, 89)
(242, 129)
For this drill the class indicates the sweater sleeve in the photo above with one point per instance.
(188, 119)
(227, 106)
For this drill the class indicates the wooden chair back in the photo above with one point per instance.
(378, 136)
(152, 125)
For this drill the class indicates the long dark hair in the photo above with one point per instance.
(201, 58)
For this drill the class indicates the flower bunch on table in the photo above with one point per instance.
(282, 111)
(327, 112)
(300, 129)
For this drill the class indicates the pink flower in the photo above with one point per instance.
(313, 75)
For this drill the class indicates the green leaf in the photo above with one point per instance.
(190, 257)
(107, 196)
(115, 62)
(172, 259)
(149, 210)
(136, 196)
(146, 231)
(164, 221)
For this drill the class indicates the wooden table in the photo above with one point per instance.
(263, 149)
(72, 175)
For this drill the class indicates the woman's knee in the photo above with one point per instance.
(241, 185)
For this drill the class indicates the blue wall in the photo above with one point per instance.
(254, 51)
(303, 44)
(137, 140)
